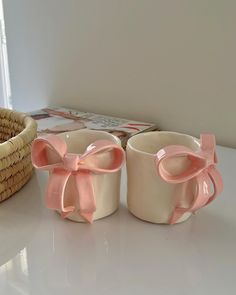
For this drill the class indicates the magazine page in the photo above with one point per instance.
(58, 120)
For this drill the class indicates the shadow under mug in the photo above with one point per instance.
(150, 198)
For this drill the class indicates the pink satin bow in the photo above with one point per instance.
(50, 153)
(202, 169)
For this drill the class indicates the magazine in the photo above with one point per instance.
(55, 120)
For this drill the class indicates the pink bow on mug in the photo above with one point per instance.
(201, 169)
(50, 153)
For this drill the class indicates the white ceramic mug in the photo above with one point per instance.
(153, 199)
(99, 172)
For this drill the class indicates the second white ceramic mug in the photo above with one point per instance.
(150, 197)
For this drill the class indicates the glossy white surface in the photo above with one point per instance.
(41, 254)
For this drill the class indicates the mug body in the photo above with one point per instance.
(149, 197)
(106, 186)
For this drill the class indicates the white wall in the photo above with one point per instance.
(168, 61)
(5, 91)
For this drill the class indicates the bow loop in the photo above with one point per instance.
(179, 164)
(48, 152)
(102, 156)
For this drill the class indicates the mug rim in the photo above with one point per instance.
(131, 140)
(110, 136)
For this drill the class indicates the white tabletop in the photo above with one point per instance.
(42, 254)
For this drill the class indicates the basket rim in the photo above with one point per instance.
(23, 138)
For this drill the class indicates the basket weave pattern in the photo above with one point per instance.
(16, 134)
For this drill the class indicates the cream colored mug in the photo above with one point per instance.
(170, 175)
(84, 168)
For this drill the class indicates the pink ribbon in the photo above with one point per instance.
(201, 168)
(50, 153)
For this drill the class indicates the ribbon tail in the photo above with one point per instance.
(199, 199)
(217, 181)
(87, 204)
(203, 192)
(87, 216)
(176, 214)
(56, 190)
(178, 211)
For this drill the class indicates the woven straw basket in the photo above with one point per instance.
(16, 134)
